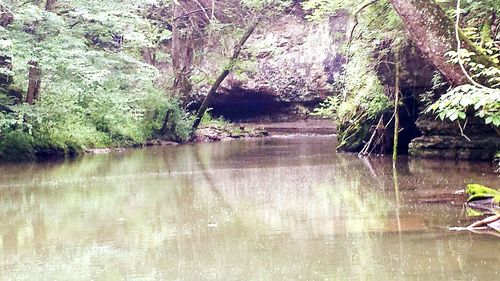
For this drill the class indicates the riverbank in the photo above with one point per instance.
(206, 133)
(215, 132)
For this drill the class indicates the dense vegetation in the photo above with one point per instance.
(94, 89)
(466, 79)
(78, 74)
(87, 74)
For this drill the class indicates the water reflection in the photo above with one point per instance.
(272, 209)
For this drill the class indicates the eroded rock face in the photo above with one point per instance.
(296, 62)
(442, 139)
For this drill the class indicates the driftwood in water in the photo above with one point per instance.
(491, 222)
(378, 133)
(486, 200)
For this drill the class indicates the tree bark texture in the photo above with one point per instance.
(34, 82)
(50, 5)
(433, 33)
(182, 52)
(396, 108)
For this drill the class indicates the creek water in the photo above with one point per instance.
(279, 208)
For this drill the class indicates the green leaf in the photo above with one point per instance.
(465, 101)
(442, 115)
(477, 106)
(496, 121)
(454, 116)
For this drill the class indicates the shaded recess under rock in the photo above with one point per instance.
(424, 135)
(295, 63)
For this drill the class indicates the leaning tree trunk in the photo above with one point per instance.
(34, 82)
(434, 34)
(223, 75)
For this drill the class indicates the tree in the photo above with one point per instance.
(223, 75)
(50, 5)
(79, 71)
(433, 33)
(34, 82)
(182, 51)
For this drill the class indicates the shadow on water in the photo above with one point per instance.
(268, 209)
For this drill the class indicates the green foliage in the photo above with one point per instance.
(259, 5)
(378, 23)
(483, 102)
(95, 91)
(209, 121)
(320, 9)
(456, 103)
(490, 75)
(328, 108)
(16, 145)
(362, 98)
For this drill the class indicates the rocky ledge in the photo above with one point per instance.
(212, 133)
(441, 139)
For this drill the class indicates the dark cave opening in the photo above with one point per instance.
(408, 114)
(244, 106)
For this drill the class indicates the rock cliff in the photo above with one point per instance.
(296, 62)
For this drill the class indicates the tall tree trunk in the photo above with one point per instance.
(34, 78)
(50, 5)
(433, 33)
(223, 75)
(182, 53)
(149, 55)
(396, 107)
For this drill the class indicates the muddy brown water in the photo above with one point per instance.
(278, 208)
